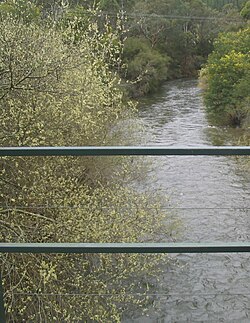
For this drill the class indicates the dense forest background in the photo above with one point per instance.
(161, 40)
(68, 72)
(165, 39)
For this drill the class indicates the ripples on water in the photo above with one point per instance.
(211, 197)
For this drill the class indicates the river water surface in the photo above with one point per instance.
(211, 199)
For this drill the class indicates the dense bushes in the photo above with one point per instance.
(56, 91)
(227, 78)
(164, 39)
(245, 12)
(147, 67)
(168, 40)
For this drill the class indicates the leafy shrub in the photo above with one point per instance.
(227, 78)
(56, 92)
(145, 66)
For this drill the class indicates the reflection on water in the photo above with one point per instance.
(211, 197)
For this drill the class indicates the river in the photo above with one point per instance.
(210, 196)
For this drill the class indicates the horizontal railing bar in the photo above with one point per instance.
(128, 248)
(34, 206)
(37, 294)
(125, 151)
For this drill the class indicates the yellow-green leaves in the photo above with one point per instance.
(59, 92)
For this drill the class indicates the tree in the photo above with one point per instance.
(174, 30)
(227, 76)
(245, 12)
(21, 9)
(144, 65)
(56, 92)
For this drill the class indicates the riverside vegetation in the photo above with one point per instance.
(157, 45)
(63, 70)
(57, 88)
(226, 77)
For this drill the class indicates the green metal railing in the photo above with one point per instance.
(80, 248)
(124, 151)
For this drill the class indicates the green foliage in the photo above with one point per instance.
(245, 12)
(144, 65)
(78, 19)
(109, 5)
(21, 9)
(185, 43)
(56, 91)
(227, 76)
(40, 79)
(175, 47)
(220, 4)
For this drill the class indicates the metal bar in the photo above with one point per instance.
(2, 310)
(125, 247)
(125, 151)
